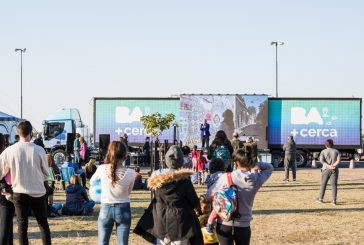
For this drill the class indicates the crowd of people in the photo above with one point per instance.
(176, 214)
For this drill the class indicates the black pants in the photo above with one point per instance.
(290, 162)
(6, 221)
(227, 235)
(205, 140)
(23, 203)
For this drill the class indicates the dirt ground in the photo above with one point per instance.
(284, 213)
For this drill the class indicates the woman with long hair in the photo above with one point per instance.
(221, 148)
(6, 208)
(248, 178)
(117, 182)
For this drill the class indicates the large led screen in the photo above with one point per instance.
(119, 116)
(311, 122)
(245, 114)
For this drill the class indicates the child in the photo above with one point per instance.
(187, 161)
(248, 178)
(200, 168)
(203, 214)
(138, 183)
(216, 168)
(77, 201)
(90, 168)
(195, 156)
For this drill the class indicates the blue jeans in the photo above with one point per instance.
(77, 156)
(118, 213)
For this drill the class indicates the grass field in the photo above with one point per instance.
(284, 213)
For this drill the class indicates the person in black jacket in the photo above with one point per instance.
(77, 202)
(170, 218)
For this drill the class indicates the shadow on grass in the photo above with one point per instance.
(295, 211)
(295, 184)
(63, 234)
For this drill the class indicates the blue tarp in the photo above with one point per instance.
(7, 117)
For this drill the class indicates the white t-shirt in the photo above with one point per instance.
(120, 193)
(28, 167)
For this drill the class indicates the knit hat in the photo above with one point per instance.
(174, 157)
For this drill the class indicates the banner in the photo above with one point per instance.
(245, 114)
(119, 116)
(312, 122)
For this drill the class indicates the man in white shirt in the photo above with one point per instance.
(28, 167)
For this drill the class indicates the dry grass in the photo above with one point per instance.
(284, 213)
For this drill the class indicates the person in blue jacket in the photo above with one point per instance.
(205, 133)
(77, 201)
(81, 172)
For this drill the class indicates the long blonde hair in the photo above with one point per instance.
(115, 155)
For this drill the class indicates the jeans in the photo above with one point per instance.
(118, 213)
(227, 235)
(6, 221)
(290, 162)
(333, 175)
(77, 156)
(23, 203)
(88, 208)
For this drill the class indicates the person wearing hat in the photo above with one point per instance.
(289, 149)
(170, 218)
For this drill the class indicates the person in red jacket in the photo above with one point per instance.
(200, 168)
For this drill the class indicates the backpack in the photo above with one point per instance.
(223, 153)
(225, 202)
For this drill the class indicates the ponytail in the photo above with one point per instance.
(245, 157)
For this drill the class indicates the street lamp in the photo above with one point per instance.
(276, 44)
(22, 50)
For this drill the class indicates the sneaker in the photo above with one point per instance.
(286, 180)
(294, 179)
(333, 203)
(318, 200)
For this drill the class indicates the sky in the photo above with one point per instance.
(77, 50)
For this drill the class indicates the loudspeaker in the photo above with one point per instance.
(69, 144)
(104, 141)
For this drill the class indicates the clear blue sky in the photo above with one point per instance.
(77, 50)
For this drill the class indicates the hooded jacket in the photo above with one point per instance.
(171, 212)
(76, 197)
(248, 184)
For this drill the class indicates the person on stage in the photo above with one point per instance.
(205, 133)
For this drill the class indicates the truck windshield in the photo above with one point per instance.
(52, 130)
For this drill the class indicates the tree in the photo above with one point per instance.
(154, 124)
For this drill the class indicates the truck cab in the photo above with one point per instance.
(59, 130)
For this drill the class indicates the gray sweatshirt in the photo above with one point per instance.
(290, 148)
(329, 156)
(248, 184)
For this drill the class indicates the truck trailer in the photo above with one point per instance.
(311, 121)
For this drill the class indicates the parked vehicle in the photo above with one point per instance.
(311, 121)
(60, 130)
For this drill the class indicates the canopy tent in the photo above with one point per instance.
(8, 126)
(7, 117)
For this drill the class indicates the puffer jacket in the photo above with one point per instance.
(76, 197)
(171, 212)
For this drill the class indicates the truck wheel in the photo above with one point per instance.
(301, 159)
(59, 156)
(277, 159)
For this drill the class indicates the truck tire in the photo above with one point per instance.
(277, 158)
(59, 156)
(301, 159)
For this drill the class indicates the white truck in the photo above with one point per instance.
(59, 131)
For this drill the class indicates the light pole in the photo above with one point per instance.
(22, 50)
(276, 44)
